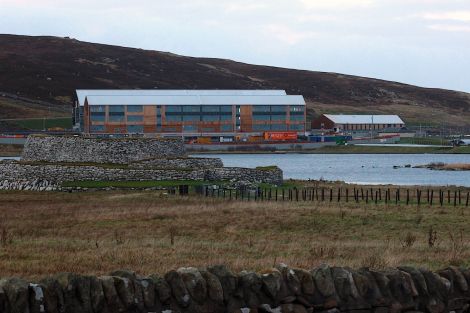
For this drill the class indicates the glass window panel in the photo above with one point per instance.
(135, 118)
(170, 129)
(296, 108)
(135, 128)
(297, 117)
(191, 118)
(261, 117)
(98, 117)
(278, 108)
(97, 128)
(189, 128)
(116, 108)
(116, 117)
(226, 117)
(226, 128)
(173, 118)
(298, 127)
(278, 117)
(210, 118)
(135, 108)
(261, 108)
(261, 127)
(208, 129)
(191, 108)
(225, 108)
(173, 108)
(210, 108)
(97, 108)
(279, 127)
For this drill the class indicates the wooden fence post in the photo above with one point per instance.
(407, 196)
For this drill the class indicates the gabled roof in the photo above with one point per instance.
(365, 119)
(196, 100)
(83, 93)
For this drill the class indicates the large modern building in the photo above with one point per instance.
(352, 123)
(189, 112)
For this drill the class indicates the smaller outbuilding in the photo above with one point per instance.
(342, 122)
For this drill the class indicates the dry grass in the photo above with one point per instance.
(46, 233)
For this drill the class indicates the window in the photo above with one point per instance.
(210, 118)
(226, 117)
(116, 108)
(279, 127)
(261, 108)
(261, 117)
(189, 128)
(278, 108)
(135, 128)
(208, 129)
(135, 118)
(135, 108)
(298, 127)
(191, 118)
(278, 117)
(98, 117)
(97, 128)
(296, 117)
(173, 108)
(226, 108)
(173, 118)
(191, 108)
(210, 108)
(226, 128)
(116, 117)
(97, 108)
(296, 108)
(261, 127)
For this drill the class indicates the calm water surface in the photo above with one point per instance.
(357, 168)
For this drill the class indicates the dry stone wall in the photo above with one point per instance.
(217, 289)
(99, 150)
(179, 163)
(31, 176)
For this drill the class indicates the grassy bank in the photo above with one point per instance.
(10, 150)
(40, 123)
(44, 233)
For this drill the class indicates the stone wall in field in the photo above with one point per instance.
(179, 163)
(272, 175)
(32, 176)
(99, 150)
(217, 289)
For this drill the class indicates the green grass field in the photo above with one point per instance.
(40, 124)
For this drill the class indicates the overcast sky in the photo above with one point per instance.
(421, 42)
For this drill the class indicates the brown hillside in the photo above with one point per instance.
(49, 69)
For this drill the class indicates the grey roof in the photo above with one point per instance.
(196, 100)
(83, 93)
(365, 119)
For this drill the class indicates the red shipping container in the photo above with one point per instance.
(280, 136)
